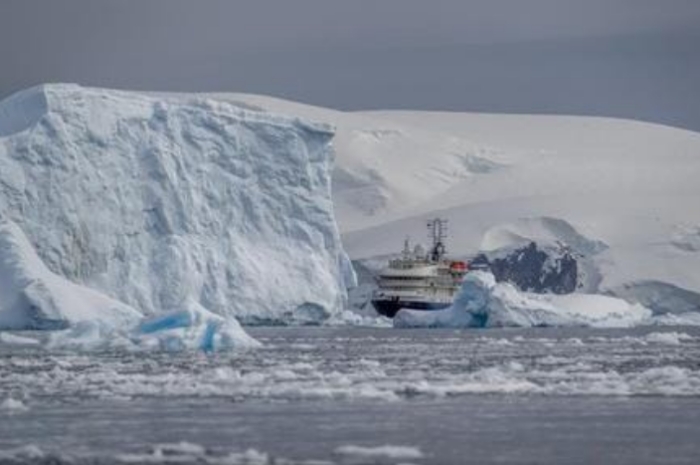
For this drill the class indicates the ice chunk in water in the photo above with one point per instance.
(193, 328)
(484, 303)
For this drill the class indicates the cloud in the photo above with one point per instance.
(633, 58)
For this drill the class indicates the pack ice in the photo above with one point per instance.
(173, 205)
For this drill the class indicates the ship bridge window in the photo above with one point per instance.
(403, 278)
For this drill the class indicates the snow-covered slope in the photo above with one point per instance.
(168, 202)
(629, 187)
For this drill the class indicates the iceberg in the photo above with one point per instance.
(174, 205)
(484, 303)
(193, 328)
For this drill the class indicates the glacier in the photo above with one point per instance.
(179, 205)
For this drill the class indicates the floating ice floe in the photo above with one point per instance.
(11, 405)
(187, 452)
(352, 318)
(676, 319)
(669, 338)
(15, 340)
(484, 303)
(193, 328)
(375, 452)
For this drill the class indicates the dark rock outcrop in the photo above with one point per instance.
(534, 269)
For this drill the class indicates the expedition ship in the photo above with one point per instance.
(419, 280)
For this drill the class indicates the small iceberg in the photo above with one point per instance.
(193, 328)
(484, 303)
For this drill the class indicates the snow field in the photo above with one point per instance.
(622, 194)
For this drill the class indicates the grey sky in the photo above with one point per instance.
(629, 58)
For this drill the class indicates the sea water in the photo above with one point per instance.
(364, 395)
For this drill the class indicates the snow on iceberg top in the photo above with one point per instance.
(162, 200)
(25, 108)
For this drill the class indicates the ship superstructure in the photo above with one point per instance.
(418, 279)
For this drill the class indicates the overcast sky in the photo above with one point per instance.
(629, 58)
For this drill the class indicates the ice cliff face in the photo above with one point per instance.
(165, 201)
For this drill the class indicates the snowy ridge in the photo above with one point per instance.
(545, 231)
(165, 202)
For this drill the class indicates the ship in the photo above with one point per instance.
(420, 280)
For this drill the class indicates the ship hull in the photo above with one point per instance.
(390, 308)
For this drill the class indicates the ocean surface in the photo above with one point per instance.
(364, 395)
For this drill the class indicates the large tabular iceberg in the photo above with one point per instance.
(174, 203)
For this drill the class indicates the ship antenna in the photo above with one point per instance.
(437, 232)
(406, 247)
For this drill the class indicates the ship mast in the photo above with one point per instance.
(437, 232)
